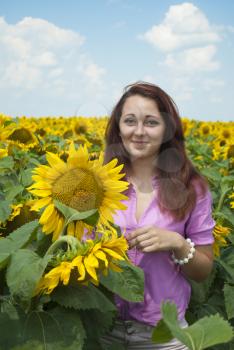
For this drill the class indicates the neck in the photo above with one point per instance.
(142, 170)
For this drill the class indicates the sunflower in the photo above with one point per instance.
(79, 183)
(20, 214)
(81, 126)
(3, 152)
(20, 134)
(232, 201)
(100, 256)
(220, 234)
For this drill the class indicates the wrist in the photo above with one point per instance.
(180, 245)
(184, 255)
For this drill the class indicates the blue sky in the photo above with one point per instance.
(74, 57)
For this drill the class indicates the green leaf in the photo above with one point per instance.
(226, 260)
(10, 331)
(162, 333)
(6, 163)
(26, 177)
(229, 300)
(205, 332)
(24, 272)
(212, 174)
(128, 284)
(228, 180)
(13, 191)
(228, 214)
(5, 210)
(9, 309)
(73, 214)
(57, 329)
(201, 291)
(82, 297)
(102, 321)
(16, 240)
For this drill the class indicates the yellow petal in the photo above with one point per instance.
(40, 203)
(59, 228)
(91, 270)
(113, 253)
(47, 213)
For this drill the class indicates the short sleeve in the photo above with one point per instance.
(200, 224)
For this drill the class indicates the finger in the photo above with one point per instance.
(150, 247)
(139, 231)
(143, 244)
(139, 240)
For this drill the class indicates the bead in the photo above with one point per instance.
(189, 257)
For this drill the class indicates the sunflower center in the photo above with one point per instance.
(23, 135)
(79, 189)
(205, 130)
(226, 134)
(80, 128)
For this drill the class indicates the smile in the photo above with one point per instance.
(139, 142)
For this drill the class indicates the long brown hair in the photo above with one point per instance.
(177, 177)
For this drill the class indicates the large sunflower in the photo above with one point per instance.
(79, 183)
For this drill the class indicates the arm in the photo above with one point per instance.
(153, 239)
(200, 266)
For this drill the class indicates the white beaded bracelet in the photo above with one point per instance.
(189, 257)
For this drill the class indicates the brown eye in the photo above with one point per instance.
(129, 121)
(152, 122)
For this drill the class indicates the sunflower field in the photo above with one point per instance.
(62, 258)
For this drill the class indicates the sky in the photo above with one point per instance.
(73, 57)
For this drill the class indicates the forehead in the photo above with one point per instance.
(138, 104)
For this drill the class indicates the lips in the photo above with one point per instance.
(140, 142)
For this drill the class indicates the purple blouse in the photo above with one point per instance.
(163, 278)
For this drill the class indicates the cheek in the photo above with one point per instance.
(125, 132)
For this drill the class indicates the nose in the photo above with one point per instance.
(139, 130)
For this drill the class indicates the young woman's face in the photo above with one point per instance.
(141, 127)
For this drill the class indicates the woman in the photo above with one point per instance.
(168, 221)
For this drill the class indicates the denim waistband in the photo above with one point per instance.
(129, 324)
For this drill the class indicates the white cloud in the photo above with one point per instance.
(186, 38)
(184, 25)
(93, 72)
(188, 45)
(193, 60)
(42, 58)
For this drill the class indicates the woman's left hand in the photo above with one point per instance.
(153, 238)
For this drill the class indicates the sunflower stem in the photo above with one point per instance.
(71, 241)
(221, 200)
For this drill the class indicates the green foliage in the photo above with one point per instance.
(229, 300)
(202, 334)
(96, 324)
(82, 297)
(24, 272)
(55, 329)
(70, 214)
(5, 210)
(6, 164)
(129, 284)
(16, 240)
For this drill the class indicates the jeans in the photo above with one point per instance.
(133, 335)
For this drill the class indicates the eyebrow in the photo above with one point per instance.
(147, 116)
